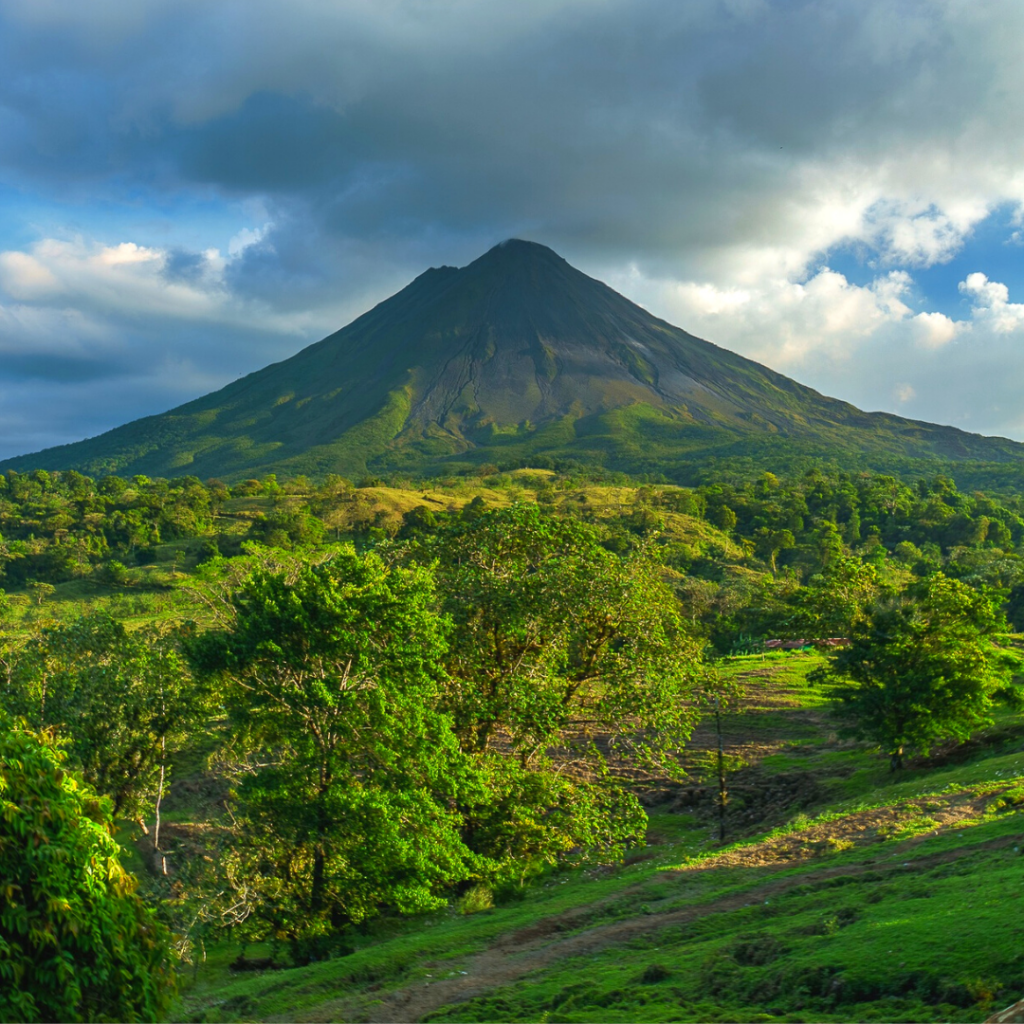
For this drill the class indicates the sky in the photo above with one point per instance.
(192, 190)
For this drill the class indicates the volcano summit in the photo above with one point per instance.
(517, 358)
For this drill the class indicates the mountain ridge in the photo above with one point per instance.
(515, 357)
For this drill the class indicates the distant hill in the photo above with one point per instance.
(517, 358)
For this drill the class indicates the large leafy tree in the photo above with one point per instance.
(347, 775)
(566, 664)
(76, 942)
(836, 599)
(557, 641)
(923, 669)
(122, 698)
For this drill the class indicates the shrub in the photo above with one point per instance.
(76, 942)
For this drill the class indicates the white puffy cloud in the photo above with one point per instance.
(918, 234)
(991, 304)
(934, 330)
(987, 294)
(783, 322)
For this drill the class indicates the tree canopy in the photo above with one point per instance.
(557, 640)
(346, 772)
(117, 695)
(924, 668)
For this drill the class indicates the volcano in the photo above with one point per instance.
(515, 359)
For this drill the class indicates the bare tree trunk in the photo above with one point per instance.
(160, 861)
(723, 795)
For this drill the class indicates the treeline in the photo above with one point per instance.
(828, 546)
(760, 571)
(804, 523)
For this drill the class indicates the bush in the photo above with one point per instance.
(76, 942)
(654, 973)
(478, 899)
(207, 551)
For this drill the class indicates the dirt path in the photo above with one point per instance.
(520, 953)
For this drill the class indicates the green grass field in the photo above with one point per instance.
(842, 892)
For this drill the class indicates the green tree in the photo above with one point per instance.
(828, 542)
(924, 669)
(566, 663)
(76, 942)
(121, 698)
(770, 542)
(557, 640)
(723, 517)
(41, 590)
(835, 599)
(347, 775)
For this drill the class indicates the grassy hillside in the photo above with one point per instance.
(842, 892)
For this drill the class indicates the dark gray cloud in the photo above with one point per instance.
(706, 156)
(605, 125)
(19, 367)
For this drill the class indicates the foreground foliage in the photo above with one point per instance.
(408, 699)
(556, 639)
(382, 754)
(346, 773)
(888, 897)
(119, 697)
(76, 941)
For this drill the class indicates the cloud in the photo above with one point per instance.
(934, 330)
(690, 134)
(218, 184)
(785, 322)
(25, 277)
(991, 304)
(918, 235)
(129, 279)
(32, 331)
(987, 294)
(93, 335)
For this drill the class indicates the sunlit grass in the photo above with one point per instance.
(892, 899)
